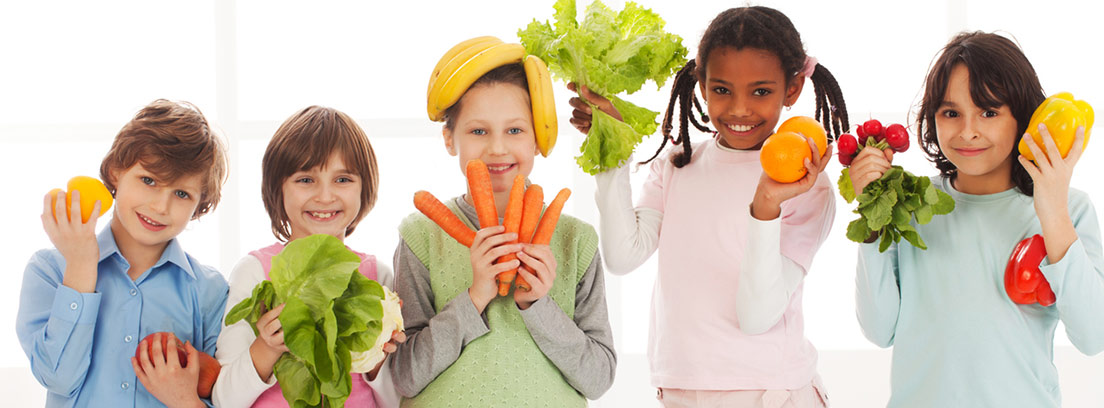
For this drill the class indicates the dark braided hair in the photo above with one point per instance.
(1000, 74)
(748, 27)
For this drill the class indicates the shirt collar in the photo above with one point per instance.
(173, 252)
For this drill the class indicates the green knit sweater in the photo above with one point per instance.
(503, 368)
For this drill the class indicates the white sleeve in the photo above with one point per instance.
(384, 275)
(238, 384)
(767, 278)
(628, 235)
(383, 386)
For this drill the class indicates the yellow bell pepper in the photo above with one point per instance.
(1062, 116)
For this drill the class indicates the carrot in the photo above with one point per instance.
(545, 228)
(436, 211)
(551, 216)
(482, 194)
(530, 215)
(512, 221)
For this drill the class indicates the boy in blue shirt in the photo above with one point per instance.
(87, 304)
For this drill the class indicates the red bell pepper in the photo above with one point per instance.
(1023, 281)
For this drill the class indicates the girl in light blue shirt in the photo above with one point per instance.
(958, 339)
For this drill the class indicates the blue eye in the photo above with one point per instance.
(514, 131)
(479, 132)
(304, 180)
(182, 194)
(344, 180)
(147, 181)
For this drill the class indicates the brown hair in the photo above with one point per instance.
(507, 74)
(1000, 74)
(171, 140)
(305, 140)
(749, 27)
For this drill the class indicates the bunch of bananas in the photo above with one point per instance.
(469, 60)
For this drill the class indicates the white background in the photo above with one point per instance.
(72, 73)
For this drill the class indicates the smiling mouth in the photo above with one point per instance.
(970, 152)
(500, 168)
(149, 223)
(322, 215)
(741, 128)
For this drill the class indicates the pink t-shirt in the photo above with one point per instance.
(694, 336)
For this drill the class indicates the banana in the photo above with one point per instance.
(457, 55)
(443, 94)
(543, 103)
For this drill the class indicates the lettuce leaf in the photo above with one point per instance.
(611, 53)
(330, 311)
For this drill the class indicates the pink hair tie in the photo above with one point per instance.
(810, 66)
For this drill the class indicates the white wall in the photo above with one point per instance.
(73, 72)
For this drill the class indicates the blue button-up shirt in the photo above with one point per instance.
(80, 344)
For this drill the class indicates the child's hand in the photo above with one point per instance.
(767, 203)
(540, 259)
(163, 376)
(489, 244)
(76, 241)
(869, 165)
(269, 345)
(580, 116)
(270, 331)
(1051, 175)
(397, 337)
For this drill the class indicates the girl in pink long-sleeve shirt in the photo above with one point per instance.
(734, 245)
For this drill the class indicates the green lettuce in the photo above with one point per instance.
(330, 312)
(610, 53)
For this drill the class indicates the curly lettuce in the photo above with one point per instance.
(610, 53)
(331, 312)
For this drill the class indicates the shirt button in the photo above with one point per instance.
(73, 306)
(128, 339)
(134, 292)
(126, 385)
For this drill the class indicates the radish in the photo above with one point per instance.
(845, 159)
(897, 137)
(847, 144)
(873, 128)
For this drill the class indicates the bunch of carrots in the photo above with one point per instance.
(523, 216)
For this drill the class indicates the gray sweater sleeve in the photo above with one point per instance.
(581, 349)
(433, 340)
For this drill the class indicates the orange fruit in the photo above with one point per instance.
(783, 157)
(809, 127)
(91, 190)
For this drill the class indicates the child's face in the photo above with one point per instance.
(495, 125)
(322, 200)
(978, 141)
(745, 91)
(150, 212)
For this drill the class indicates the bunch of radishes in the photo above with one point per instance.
(871, 133)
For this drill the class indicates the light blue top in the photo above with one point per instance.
(80, 344)
(958, 340)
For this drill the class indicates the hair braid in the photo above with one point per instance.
(831, 110)
(682, 93)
